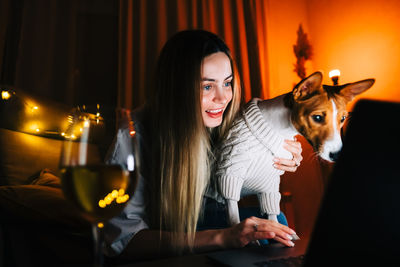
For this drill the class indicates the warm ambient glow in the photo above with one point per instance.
(85, 122)
(33, 127)
(35, 118)
(334, 73)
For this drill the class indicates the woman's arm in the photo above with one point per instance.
(147, 244)
(239, 235)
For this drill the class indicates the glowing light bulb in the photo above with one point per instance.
(121, 192)
(108, 199)
(114, 193)
(86, 123)
(334, 73)
(102, 203)
(5, 95)
(132, 131)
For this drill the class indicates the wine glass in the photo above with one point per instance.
(99, 185)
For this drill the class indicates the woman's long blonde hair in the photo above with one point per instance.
(181, 143)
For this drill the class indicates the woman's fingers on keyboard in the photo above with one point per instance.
(286, 242)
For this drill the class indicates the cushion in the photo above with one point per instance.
(47, 178)
(40, 202)
(22, 155)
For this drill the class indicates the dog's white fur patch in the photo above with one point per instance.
(333, 144)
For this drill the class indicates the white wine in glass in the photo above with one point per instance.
(99, 188)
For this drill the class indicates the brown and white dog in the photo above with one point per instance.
(316, 111)
(311, 109)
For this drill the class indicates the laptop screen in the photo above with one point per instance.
(359, 217)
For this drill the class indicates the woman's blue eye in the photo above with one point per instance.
(207, 87)
(226, 84)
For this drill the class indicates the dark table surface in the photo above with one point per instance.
(239, 256)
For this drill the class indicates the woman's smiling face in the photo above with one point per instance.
(216, 84)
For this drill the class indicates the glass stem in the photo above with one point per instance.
(97, 245)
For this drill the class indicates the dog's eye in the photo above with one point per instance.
(318, 118)
(343, 119)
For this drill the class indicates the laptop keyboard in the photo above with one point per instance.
(284, 262)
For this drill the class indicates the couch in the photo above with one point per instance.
(37, 225)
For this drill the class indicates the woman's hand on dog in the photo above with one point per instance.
(290, 165)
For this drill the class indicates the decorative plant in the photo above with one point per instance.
(303, 51)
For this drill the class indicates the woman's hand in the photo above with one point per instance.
(252, 229)
(290, 165)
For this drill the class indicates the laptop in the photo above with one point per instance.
(359, 219)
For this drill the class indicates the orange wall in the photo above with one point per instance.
(361, 38)
(283, 19)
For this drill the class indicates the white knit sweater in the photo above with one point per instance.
(245, 163)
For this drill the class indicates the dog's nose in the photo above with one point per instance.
(334, 155)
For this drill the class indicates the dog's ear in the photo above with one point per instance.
(307, 86)
(349, 91)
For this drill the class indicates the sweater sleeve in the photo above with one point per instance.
(233, 162)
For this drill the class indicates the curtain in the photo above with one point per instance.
(10, 16)
(64, 50)
(36, 43)
(145, 25)
(45, 59)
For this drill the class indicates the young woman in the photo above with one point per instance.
(197, 96)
